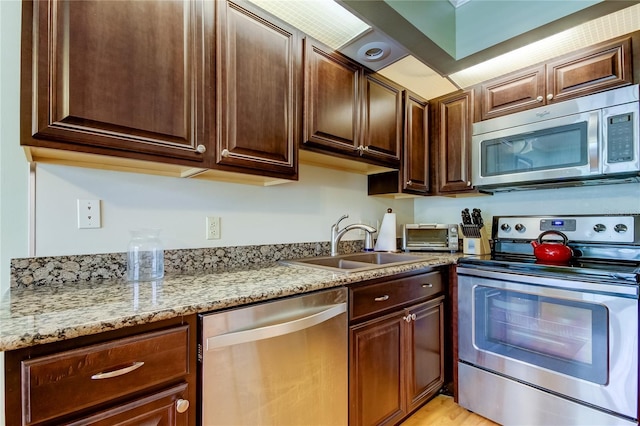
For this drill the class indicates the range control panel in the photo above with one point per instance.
(605, 229)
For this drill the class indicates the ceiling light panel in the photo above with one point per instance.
(598, 30)
(324, 20)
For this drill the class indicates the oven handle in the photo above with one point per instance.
(582, 286)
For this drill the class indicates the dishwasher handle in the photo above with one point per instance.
(261, 333)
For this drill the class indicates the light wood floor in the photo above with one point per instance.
(442, 411)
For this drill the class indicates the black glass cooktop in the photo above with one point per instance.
(609, 270)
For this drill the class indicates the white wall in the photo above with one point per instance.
(294, 212)
(603, 199)
(13, 166)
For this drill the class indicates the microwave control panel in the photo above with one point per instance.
(620, 138)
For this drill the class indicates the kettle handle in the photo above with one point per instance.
(565, 240)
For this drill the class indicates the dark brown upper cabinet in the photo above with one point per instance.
(593, 69)
(451, 126)
(415, 161)
(349, 111)
(180, 88)
(259, 85)
(125, 79)
(413, 176)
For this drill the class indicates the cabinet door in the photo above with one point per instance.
(332, 100)
(167, 408)
(415, 166)
(376, 384)
(259, 90)
(117, 78)
(382, 119)
(425, 352)
(516, 92)
(595, 69)
(453, 142)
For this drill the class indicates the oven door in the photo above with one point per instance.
(572, 338)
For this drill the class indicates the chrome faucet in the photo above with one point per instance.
(336, 235)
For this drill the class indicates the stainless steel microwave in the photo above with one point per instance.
(430, 237)
(576, 142)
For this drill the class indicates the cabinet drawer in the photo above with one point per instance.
(375, 298)
(70, 381)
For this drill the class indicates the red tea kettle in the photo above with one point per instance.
(554, 252)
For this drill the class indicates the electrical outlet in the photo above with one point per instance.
(213, 228)
(89, 215)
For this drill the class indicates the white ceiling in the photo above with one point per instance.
(414, 60)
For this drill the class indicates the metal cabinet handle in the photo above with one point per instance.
(427, 285)
(382, 298)
(550, 96)
(409, 317)
(539, 99)
(118, 372)
(225, 152)
(182, 405)
(254, 334)
(201, 149)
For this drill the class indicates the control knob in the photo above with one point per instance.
(598, 227)
(620, 228)
(520, 227)
(505, 227)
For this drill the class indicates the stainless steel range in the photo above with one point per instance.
(548, 344)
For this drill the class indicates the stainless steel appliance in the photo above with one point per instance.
(543, 344)
(430, 237)
(276, 363)
(576, 142)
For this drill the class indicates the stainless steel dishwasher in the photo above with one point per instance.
(277, 363)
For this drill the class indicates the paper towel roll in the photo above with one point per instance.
(387, 234)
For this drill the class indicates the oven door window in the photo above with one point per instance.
(555, 148)
(428, 237)
(569, 337)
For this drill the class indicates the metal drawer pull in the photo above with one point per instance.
(427, 285)
(381, 298)
(182, 405)
(118, 372)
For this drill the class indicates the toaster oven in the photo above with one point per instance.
(430, 237)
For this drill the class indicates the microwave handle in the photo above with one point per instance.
(593, 137)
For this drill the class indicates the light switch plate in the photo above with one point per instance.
(89, 215)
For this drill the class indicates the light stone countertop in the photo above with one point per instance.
(50, 313)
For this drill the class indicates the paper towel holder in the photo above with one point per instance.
(387, 238)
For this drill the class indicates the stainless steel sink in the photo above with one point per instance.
(357, 262)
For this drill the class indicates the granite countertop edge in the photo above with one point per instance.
(54, 313)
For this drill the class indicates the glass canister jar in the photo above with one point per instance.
(145, 260)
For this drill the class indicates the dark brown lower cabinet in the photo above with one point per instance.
(397, 358)
(159, 408)
(143, 375)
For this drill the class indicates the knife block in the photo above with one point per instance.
(475, 240)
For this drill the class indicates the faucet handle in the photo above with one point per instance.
(344, 216)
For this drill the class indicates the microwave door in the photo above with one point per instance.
(555, 149)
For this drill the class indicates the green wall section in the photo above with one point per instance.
(480, 24)
(434, 18)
